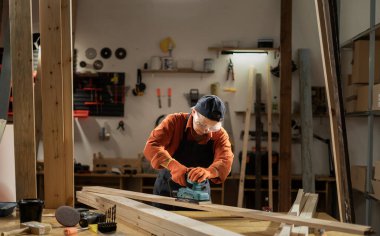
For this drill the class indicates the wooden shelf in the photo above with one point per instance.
(228, 50)
(361, 36)
(363, 114)
(189, 71)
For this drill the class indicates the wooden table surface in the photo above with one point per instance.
(240, 225)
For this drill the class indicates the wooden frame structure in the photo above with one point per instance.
(234, 211)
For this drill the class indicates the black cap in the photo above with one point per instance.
(211, 107)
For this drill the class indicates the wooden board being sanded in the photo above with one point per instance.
(149, 218)
(235, 211)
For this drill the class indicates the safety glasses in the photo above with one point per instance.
(199, 120)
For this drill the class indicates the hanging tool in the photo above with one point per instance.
(169, 97)
(140, 86)
(194, 96)
(230, 70)
(158, 92)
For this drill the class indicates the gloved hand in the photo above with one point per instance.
(199, 174)
(178, 171)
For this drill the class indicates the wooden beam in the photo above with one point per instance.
(335, 103)
(23, 98)
(152, 219)
(67, 74)
(236, 211)
(308, 178)
(247, 124)
(269, 129)
(286, 229)
(57, 184)
(285, 107)
(308, 212)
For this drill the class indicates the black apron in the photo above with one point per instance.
(189, 154)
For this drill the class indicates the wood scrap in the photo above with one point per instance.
(307, 212)
(236, 211)
(286, 229)
(150, 218)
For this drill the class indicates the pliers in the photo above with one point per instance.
(230, 70)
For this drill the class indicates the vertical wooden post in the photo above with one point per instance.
(247, 124)
(308, 182)
(58, 170)
(23, 97)
(335, 103)
(67, 74)
(269, 113)
(285, 174)
(259, 131)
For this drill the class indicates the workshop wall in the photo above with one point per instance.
(138, 26)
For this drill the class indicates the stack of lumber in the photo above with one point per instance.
(155, 220)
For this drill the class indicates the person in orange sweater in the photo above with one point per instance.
(192, 143)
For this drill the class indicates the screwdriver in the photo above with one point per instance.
(73, 230)
(169, 97)
(158, 91)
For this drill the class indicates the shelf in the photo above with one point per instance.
(362, 114)
(228, 50)
(189, 71)
(362, 36)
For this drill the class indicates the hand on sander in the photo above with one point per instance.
(178, 171)
(200, 174)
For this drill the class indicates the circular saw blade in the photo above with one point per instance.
(90, 53)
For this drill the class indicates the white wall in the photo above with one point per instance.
(7, 166)
(194, 25)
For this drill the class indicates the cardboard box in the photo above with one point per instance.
(358, 177)
(376, 97)
(350, 106)
(376, 188)
(377, 170)
(360, 71)
(362, 99)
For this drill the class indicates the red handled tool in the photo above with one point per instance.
(169, 97)
(158, 92)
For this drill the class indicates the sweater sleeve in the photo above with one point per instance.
(223, 157)
(156, 147)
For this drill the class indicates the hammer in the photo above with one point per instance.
(32, 227)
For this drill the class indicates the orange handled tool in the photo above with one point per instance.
(73, 230)
(158, 92)
(169, 97)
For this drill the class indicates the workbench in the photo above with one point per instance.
(240, 225)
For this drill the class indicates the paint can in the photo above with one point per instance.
(167, 63)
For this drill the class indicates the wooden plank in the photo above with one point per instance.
(23, 98)
(269, 129)
(52, 104)
(251, 74)
(67, 74)
(308, 179)
(307, 212)
(38, 103)
(236, 211)
(337, 125)
(286, 229)
(259, 130)
(285, 160)
(160, 219)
